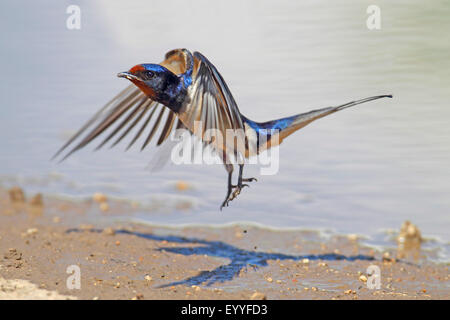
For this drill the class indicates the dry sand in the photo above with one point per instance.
(40, 239)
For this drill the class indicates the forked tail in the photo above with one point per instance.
(289, 125)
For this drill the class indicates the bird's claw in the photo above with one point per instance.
(237, 190)
(234, 194)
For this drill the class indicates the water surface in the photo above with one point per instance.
(359, 171)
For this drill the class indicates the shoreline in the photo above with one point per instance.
(39, 240)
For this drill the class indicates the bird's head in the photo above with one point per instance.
(155, 81)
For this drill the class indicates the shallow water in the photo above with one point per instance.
(358, 171)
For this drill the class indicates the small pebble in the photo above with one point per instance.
(17, 195)
(258, 296)
(99, 197)
(109, 231)
(13, 254)
(182, 186)
(104, 206)
(352, 237)
(36, 201)
(363, 278)
(269, 279)
(148, 278)
(32, 231)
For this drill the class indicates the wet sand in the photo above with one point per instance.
(41, 237)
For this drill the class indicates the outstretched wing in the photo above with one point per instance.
(211, 103)
(127, 110)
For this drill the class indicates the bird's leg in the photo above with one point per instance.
(231, 195)
(240, 180)
(241, 170)
(229, 169)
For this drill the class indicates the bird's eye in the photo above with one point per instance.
(149, 74)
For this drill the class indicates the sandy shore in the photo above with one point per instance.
(39, 240)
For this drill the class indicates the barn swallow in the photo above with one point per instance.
(176, 93)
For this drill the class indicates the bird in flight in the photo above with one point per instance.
(180, 92)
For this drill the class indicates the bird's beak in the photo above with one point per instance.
(127, 75)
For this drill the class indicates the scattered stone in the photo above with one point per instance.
(314, 289)
(17, 195)
(36, 201)
(196, 288)
(409, 230)
(350, 291)
(104, 206)
(305, 261)
(117, 243)
(148, 278)
(32, 231)
(99, 197)
(363, 278)
(139, 296)
(352, 237)
(56, 219)
(269, 279)
(409, 239)
(182, 186)
(109, 231)
(387, 257)
(258, 296)
(238, 235)
(13, 254)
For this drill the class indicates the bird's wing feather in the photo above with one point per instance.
(127, 110)
(212, 103)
